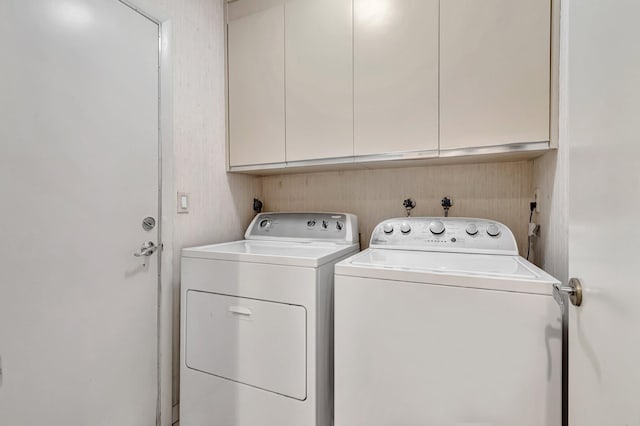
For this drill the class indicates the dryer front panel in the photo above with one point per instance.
(254, 342)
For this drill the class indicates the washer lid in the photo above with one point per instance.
(492, 272)
(306, 254)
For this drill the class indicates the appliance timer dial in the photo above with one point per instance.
(472, 229)
(493, 230)
(436, 227)
(265, 223)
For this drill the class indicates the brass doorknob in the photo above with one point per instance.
(573, 291)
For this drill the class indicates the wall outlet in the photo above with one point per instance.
(536, 198)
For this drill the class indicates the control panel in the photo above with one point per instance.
(462, 235)
(336, 227)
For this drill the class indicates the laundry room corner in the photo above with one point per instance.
(549, 177)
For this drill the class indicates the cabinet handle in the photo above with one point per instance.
(240, 310)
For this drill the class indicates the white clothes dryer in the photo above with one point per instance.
(256, 322)
(440, 322)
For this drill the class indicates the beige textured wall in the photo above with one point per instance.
(221, 204)
(550, 173)
(498, 191)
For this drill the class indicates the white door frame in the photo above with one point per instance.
(166, 206)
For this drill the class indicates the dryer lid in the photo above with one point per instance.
(291, 253)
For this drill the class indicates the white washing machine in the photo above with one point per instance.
(440, 322)
(256, 323)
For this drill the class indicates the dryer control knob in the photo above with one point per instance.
(436, 227)
(265, 223)
(472, 229)
(493, 230)
(405, 228)
(387, 228)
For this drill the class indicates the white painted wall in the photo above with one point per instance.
(220, 203)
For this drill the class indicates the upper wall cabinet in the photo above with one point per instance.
(256, 87)
(329, 82)
(395, 76)
(319, 72)
(494, 72)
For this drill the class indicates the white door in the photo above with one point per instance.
(603, 136)
(78, 174)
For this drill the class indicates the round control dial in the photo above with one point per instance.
(436, 227)
(472, 229)
(405, 228)
(493, 230)
(387, 228)
(265, 223)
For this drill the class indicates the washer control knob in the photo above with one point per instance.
(405, 228)
(265, 223)
(311, 223)
(339, 225)
(387, 228)
(325, 224)
(493, 230)
(436, 227)
(472, 229)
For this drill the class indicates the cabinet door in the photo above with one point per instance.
(395, 76)
(319, 69)
(256, 88)
(494, 72)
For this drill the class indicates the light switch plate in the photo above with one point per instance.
(183, 202)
